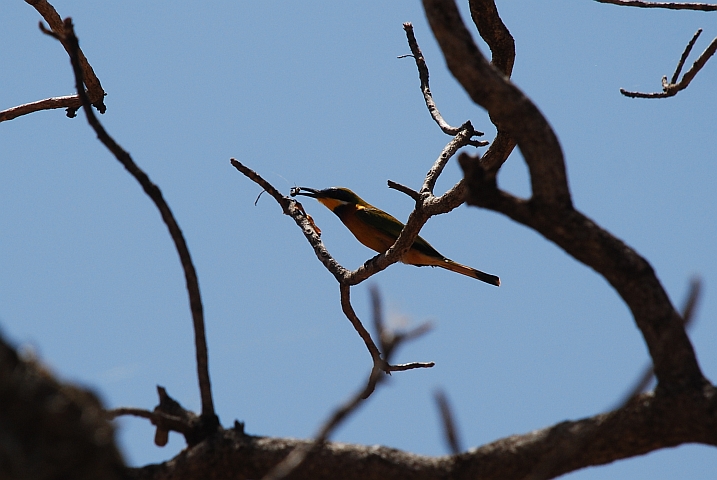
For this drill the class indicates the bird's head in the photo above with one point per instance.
(331, 197)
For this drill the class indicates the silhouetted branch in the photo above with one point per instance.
(70, 42)
(671, 89)
(550, 210)
(389, 343)
(688, 316)
(168, 415)
(495, 34)
(706, 7)
(426, 89)
(71, 102)
(450, 432)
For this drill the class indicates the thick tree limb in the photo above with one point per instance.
(646, 424)
(550, 210)
(508, 107)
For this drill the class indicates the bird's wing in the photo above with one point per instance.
(392, 227)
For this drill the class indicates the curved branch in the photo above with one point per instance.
(550, 210)
(511, 111)
(496, 35)
(71, 44)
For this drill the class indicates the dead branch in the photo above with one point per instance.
(426, 89)
(671, 89)
(209, 420)
(688, 315)
(705, 7)
(450, 432)
(168, 415)
(72, 102)
(389, 344)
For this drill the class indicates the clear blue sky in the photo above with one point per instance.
(312, 94)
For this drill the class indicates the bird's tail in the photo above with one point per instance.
(470, 272)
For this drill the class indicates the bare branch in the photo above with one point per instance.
(705, 7)
(509, 108)
(550, 210)
(71, 44)
(688, 311)
(460, 140)
(404, 189)
(295, 210)
(72, 102)
(449, 425)
(299, 454)
(683, 58)
(425, 88)
(496, 35)
(168, 415)
(671, 89)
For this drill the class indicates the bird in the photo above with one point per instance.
(379, 230)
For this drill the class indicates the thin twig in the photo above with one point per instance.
(71, 44)
(299, 454)
(671, 89)
(706, 7)
(295, 210)
(460, 140)
(683, 58)
(404, 189)
(450, 432)
(426, 89)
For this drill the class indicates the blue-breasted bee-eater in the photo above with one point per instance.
(378, 230)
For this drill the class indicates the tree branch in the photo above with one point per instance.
(69, 40)
(426, 89)
(550, 210)
(72, 102)
(389, 344)
(509, 108)
(671, 89)
(705, 7)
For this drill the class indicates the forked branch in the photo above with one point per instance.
(71, 102)
(389, 344)
(671, 88)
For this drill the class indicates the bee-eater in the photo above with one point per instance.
(378, 230)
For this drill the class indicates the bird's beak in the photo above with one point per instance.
(306, 191)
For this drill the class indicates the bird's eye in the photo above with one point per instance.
(294, 191)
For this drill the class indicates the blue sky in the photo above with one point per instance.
(312, 94)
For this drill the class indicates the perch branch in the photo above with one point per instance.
(71, 44)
